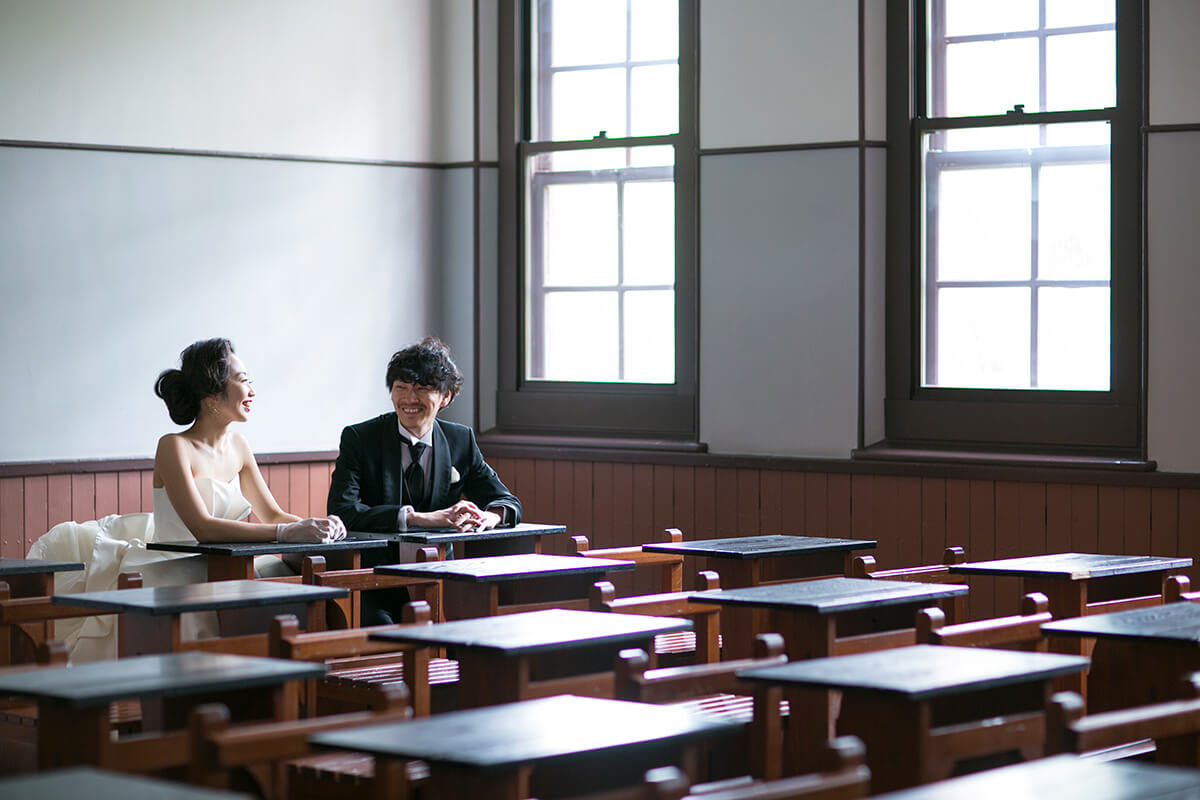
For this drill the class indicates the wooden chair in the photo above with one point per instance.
(955, 608)
(28, 622)
(702, 645)
(1177, 588)
(668, 565)
(1018, 632)
(1170, 729)
(843, 776)
(253, 756)
(348, 613)
(358, 664)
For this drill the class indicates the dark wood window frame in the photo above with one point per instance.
(1101, 424)
(624, 411)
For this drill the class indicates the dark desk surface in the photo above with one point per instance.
(164, 675)
(444, 535)
(517, 734)
(536, 631)
(922, 671)
(831, 595)
(96, 784)
(34, 566)
(505, 568)
(1073, 566)
(1065, 777)
(200, 597)
(251, 549)
(1173, 623)
(759, 546)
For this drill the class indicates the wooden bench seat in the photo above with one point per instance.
(669, 566)
(1018, 632)
(700, 645)
(347, 612)
(954, 608)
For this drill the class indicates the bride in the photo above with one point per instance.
(205, 485)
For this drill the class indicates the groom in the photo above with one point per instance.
(409, 469)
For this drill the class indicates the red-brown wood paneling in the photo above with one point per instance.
(36, 509)
(1189, 528)
(12, 518)
(1137, 521)
(1110, 536)
(1164, 522)
(106, 494)
(129, 493)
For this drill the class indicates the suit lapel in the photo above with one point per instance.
(440, 467)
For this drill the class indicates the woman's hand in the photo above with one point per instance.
(311, 530)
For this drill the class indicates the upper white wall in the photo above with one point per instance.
(1174, 62)
(453, 95)
(778, 72)
(351, 79)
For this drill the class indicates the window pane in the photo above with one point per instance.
(1073, 339)
(585, 31)
(654, 32)
(1073, 222)
(654, 96)
(1006, 137)
(1077, 133)
(990, 77)
(648, 221)
(983, 218)
(580, 235)
(585, 103)
(650, 337)
(1062, 13)
(660, 156)
(581, 339)
(967, 17)
(983, 338)
(1081, 71)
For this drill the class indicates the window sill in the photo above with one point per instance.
(917, 455)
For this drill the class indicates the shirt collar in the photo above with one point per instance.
(407, 437)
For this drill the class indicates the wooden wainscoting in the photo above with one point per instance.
(615, 503)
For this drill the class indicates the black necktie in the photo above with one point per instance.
(414, 476)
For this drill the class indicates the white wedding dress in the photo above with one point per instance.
(117, 543)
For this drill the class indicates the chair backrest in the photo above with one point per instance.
(313, 571)
(705, 617)
(636, 681)
(1177, 588)
(1174, 726)
(1019, 632)
(668, 565)
(955, 607)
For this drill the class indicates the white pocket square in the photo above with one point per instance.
(454, 476)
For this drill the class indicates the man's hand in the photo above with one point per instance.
(463, 515)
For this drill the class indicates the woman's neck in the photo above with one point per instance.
(209, 432)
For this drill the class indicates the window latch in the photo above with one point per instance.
(1019, 108)
(601, 135)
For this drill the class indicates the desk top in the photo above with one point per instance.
(445, 535)
(1172, 623)
(831, 595)
(922, 671)
(746, 547)
(1065, 777)
(35, 566)
(527, 732)
(536, 631)
(251, 549)
(1073, 566)
(163, 675)
(506, 568)
(97, 784)
(200, 596)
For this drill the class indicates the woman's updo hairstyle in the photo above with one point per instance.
(203, 371)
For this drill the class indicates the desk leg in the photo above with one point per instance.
(230, 568)
(1068, 599)
(766, 735)
(812, 721)
(896, 733)
(71, 736)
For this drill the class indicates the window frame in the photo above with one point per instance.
(591, 409)
(1105, 424)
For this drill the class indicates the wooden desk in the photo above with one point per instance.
(538, 653)
(235, 560)
(551, 747)
(97, 784)
(919, 710)
(32, 577)
(1066, 778)
(831, 616)
(525, 537)
(1078, 584)
(485, 587)
(1141, 656)
(28, 578)
(152, 616)
(754, 560)
(73, 715)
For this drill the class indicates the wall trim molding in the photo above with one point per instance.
(29, 469)
(172, 151)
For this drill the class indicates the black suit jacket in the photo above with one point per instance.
(367, 487)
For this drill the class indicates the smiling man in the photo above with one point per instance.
(409, 469)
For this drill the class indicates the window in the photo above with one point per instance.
(1015, 208)
(598, 242)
